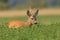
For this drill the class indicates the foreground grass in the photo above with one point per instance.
(36, 32)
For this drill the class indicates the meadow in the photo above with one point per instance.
(48, 28)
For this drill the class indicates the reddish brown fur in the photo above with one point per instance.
(17, 23)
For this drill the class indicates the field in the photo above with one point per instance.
(48, 28)
(10, 13)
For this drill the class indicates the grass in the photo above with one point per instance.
(36, 32)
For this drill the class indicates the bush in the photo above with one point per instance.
(3, 4)
(39, 4)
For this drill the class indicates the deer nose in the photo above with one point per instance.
(35, 23)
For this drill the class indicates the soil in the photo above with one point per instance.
(10, 13)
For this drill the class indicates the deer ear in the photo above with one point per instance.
(36, 12)
(28, 13)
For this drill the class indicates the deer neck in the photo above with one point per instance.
(28, 22)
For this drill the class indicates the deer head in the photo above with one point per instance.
(32, 16)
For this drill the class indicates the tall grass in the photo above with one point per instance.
(36, 32)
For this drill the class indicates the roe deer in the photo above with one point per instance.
(31, 20)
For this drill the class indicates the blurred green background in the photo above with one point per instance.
(24, 4)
